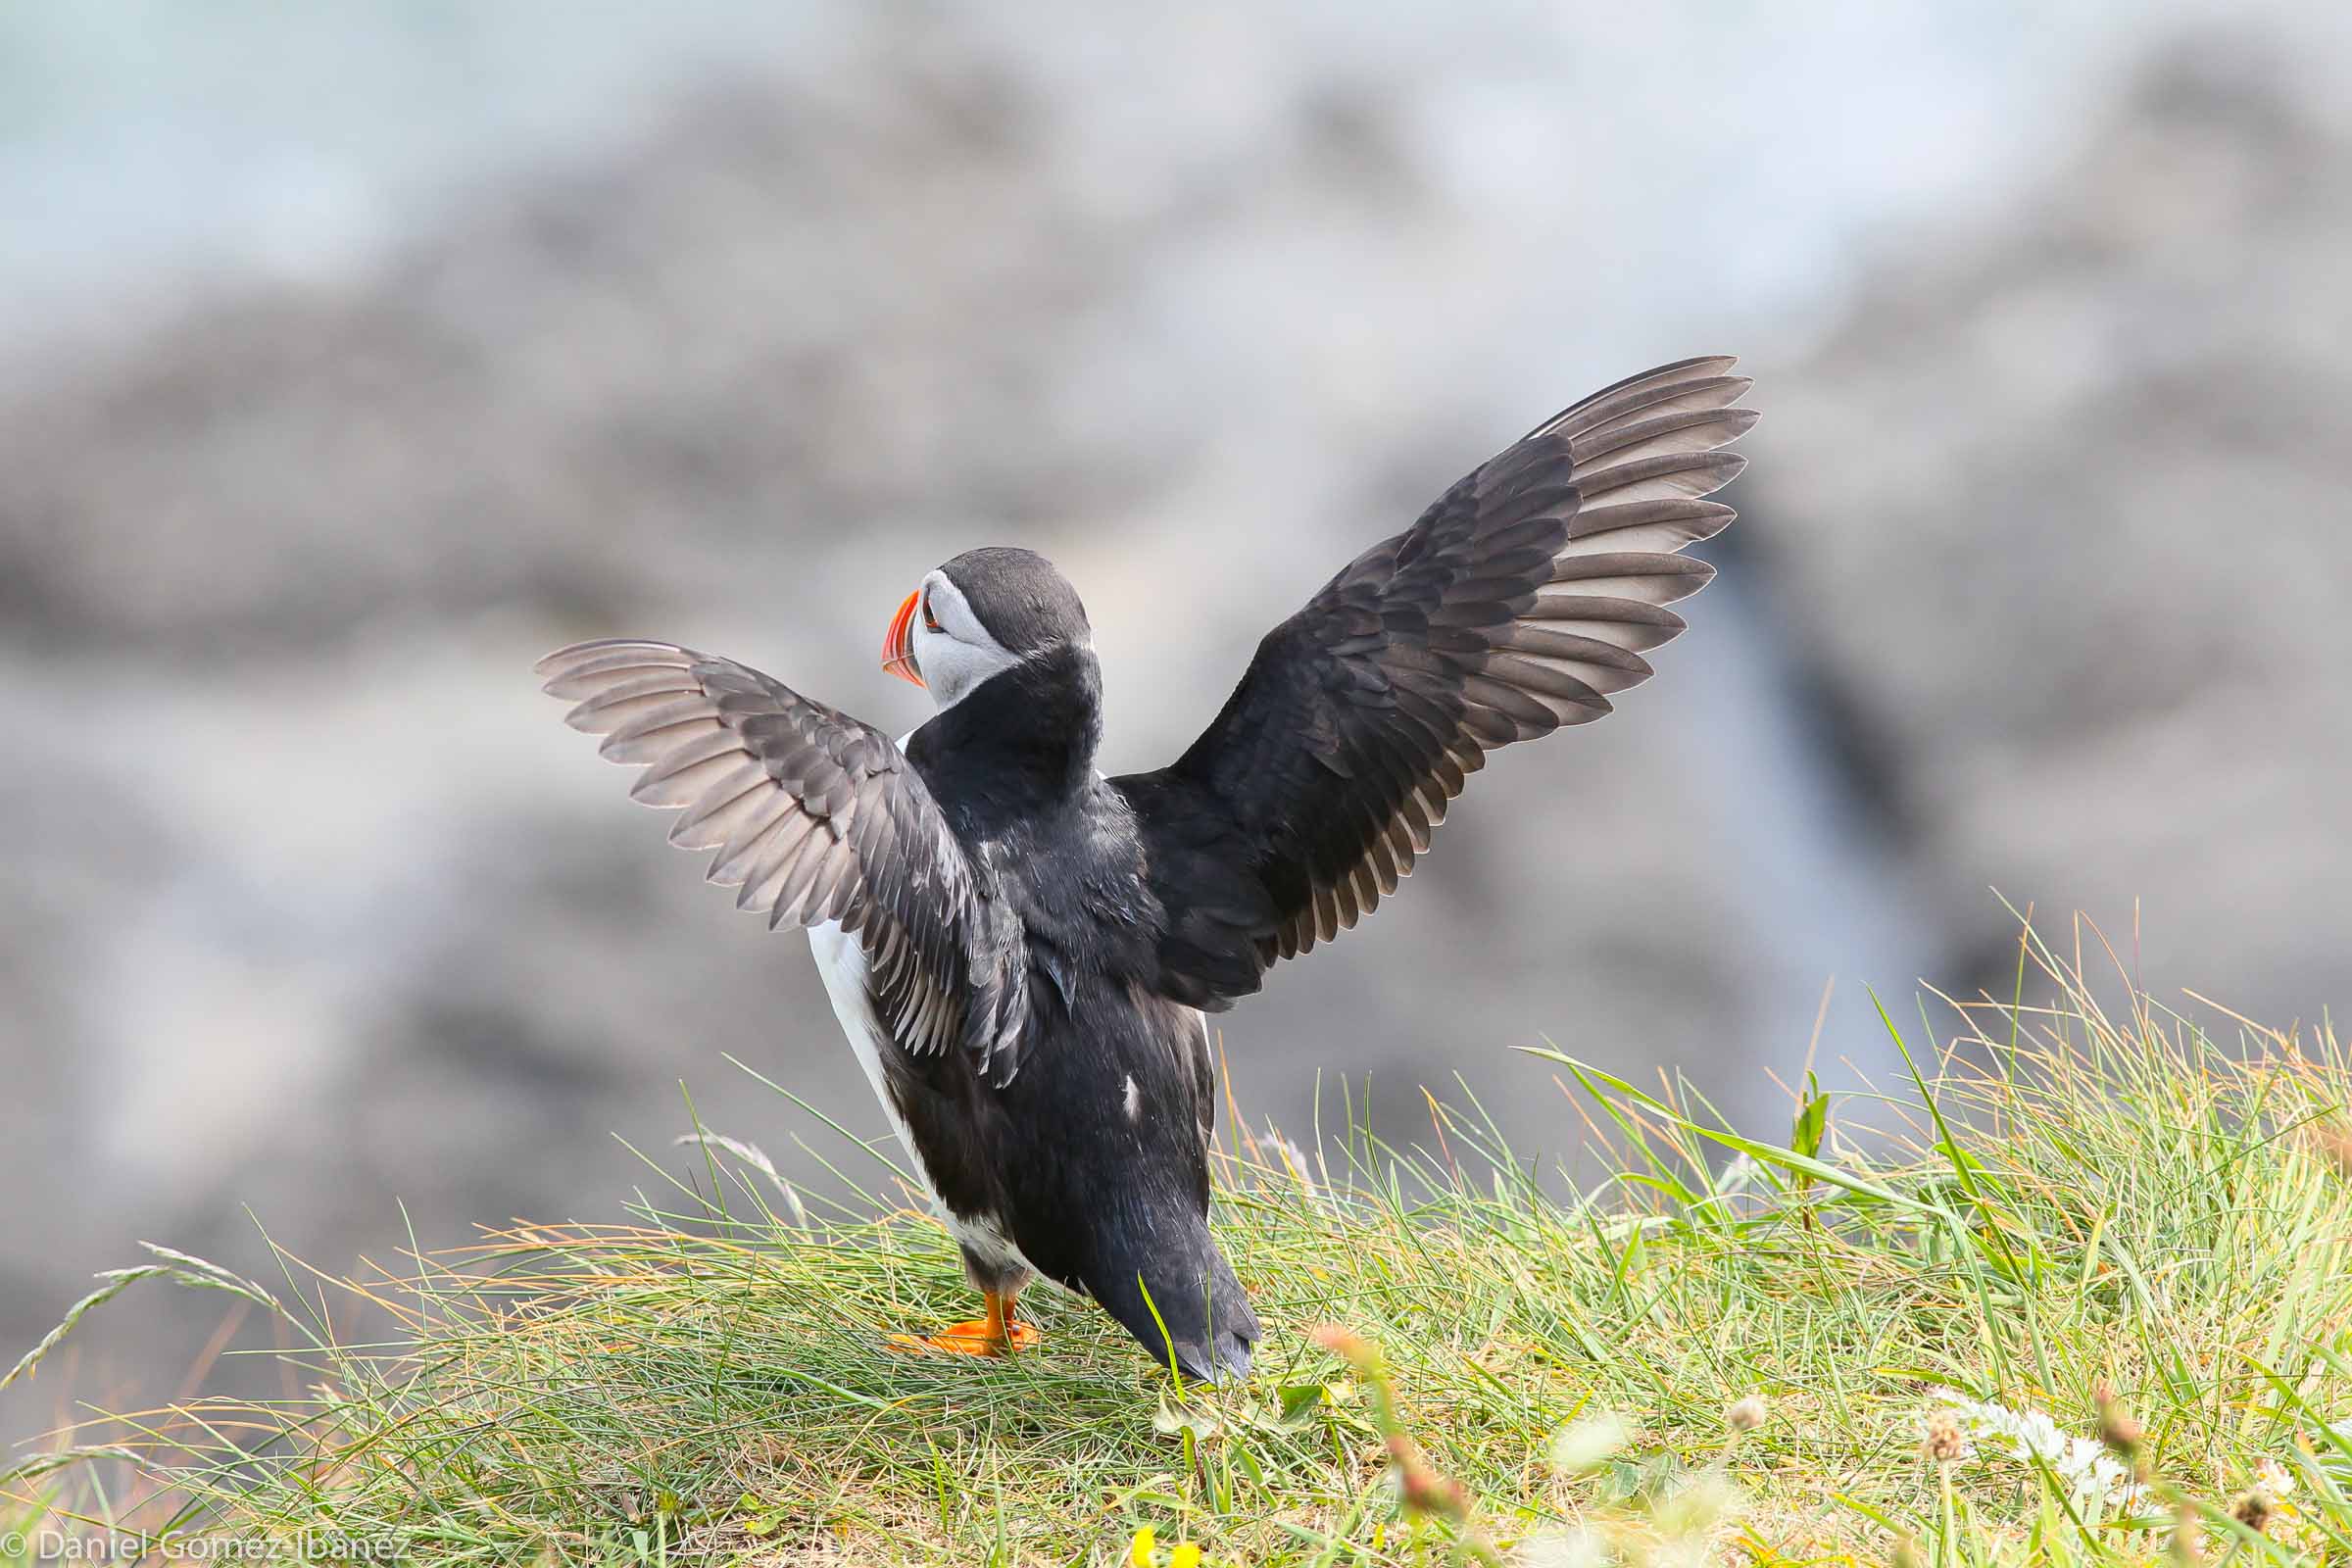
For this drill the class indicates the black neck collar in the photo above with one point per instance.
(1024, 738)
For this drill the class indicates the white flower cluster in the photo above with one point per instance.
(2093, 1478)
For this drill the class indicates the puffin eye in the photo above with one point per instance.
(930, 621)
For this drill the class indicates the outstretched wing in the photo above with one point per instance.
(815, 817)
(1518, 603)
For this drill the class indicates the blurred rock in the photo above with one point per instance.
(2059, 516)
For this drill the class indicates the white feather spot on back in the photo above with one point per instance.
(1134, 1100)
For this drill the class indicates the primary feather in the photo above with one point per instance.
(815, 817)
(1522, 600)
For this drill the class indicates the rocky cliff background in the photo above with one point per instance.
(350, 364)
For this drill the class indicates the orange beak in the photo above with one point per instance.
(898, 643)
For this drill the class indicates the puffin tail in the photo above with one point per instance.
(1183, 1306)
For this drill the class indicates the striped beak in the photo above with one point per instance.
(898, 644)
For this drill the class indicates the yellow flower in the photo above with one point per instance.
(1184, 1555)
(1139, 1550)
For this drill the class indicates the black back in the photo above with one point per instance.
(1094, 1156)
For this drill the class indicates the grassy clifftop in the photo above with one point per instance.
(2080, 1290)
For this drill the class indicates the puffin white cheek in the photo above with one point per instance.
(951, 667)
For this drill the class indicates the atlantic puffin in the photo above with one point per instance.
(1023, 952)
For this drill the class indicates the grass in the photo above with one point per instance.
(1898, 1335)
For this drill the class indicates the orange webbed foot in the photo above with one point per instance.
(973, 1336)
(996, 1334)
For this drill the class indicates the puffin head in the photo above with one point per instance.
(979, 616)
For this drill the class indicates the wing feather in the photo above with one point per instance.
(815, 817)
(1521, 602)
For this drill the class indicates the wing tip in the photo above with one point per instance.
(572, 654)
(570, 659)
(1705, 377)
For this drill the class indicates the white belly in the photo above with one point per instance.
(841, 962)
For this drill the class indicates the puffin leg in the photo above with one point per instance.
(998, 1334)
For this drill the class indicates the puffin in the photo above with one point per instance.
(1023, 952)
